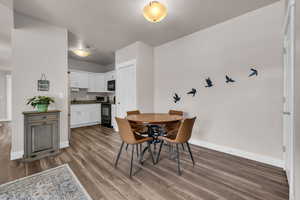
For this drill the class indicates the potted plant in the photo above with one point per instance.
(40, 102)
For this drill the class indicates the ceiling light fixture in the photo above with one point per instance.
(82, 52)
(155, 11)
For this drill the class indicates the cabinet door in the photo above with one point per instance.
(74, 80)
(83, 80)
(79, 80)
(95, 113)
(96, 82)
(99, 82)
(75, 116)
(42, 136)
(91, 82)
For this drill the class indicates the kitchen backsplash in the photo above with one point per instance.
(84, 95)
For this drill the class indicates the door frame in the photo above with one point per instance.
(120, 66)
(289, 32)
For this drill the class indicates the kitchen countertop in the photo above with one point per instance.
(87, 102)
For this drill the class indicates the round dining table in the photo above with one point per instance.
(154, 118)
(154, 122)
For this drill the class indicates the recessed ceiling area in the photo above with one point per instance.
(108, 25)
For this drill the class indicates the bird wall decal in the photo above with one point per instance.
(193, 92)
(176, 98)
(209, 82)
(254, 72)
(229, 80)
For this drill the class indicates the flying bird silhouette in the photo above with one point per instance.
(193, 92)
(208, 82)
(253, 72)
(229, 80)
(176, 98)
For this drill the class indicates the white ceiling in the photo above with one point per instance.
(109, 25)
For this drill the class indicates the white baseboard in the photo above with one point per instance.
(19, 154)
(85, 124)
(16, 155)
(63, 145)
(240, 153)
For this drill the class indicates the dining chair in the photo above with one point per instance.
(171, 128)
(130, 138)
(182, 137)
(138, 128)
(176, 112)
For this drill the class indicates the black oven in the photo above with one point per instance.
(111, 85)
(106, 114)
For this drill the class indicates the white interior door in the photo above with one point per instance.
(126, 89)
(288, 103)
(287, 108)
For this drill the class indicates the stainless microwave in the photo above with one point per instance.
(111, 85)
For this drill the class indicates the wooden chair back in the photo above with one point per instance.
(185, 130)
(125, 131)
(175, 112)
(133, 112)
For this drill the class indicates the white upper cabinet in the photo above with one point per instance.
(79, 79)
(96, 82)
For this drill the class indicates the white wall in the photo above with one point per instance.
(242, 118)
(143, 54)
(127, 53)
(145, 72)
(38, 48)
(87, 66)
(297, 105)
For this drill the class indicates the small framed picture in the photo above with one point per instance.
(43, 84)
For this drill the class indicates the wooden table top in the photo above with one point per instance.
(154, 118)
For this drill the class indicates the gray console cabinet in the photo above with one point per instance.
(41, 136)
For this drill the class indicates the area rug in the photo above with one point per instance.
(59, 183)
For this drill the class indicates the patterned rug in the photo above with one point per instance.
(59, 183)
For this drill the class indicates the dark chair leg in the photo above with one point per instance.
(158, 155)
(178, 161)
(182, 146)
(150, 151)
(187, 144)
(119, 154)
(132, 153)
(137, 151)
(127, 146)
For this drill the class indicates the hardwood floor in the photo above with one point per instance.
(93, 149)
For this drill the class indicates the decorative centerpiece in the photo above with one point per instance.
(40, 102)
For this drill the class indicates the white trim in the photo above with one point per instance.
(16, 155)
(8, 97)
(63, 145)
(85, 124)
(19, 154)
(240, 153)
